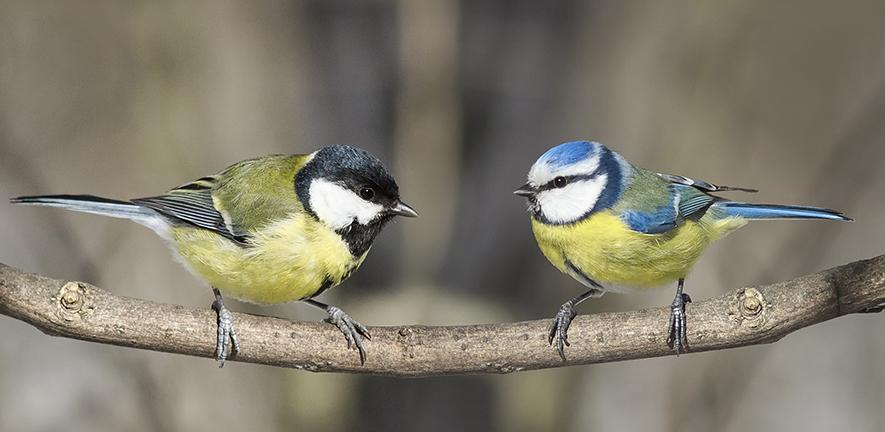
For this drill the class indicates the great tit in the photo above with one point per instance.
(601, 220)
(269, 230)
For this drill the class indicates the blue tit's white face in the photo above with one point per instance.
(568, 182)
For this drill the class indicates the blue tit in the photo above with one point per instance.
(609, 224)
(270, 230)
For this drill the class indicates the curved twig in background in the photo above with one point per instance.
(741, 317)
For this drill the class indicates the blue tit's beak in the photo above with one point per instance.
(403, 209)
(525, 190)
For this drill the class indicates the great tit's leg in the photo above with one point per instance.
(226, 330)
(559, 329)
(677, 338)
(353, 331)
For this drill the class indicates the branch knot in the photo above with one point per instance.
(750, 306)
(72, 301)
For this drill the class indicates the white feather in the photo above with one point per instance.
(570, 203)
(542, 172)
(338, 207)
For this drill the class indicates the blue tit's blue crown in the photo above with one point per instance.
(569, 153)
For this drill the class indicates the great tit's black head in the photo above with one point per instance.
(347, 188)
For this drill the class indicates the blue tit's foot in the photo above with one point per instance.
(559, 328)
(353, 331)
(226, 331)
(677, 338)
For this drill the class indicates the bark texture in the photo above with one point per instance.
(744, 316)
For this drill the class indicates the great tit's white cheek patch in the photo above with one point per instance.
(568, 204)
(338, 207)
(542, 172)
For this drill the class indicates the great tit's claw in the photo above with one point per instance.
(353, 331)
(226, 330)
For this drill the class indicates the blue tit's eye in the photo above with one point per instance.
(367, 193)
(560, 182)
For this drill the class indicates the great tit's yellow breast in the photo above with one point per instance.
(605, 249)
(287, 260)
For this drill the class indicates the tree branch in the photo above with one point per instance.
(745, 316)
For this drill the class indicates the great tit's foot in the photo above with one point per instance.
(226, 331)
(559, 328)
(353, 331)
(677, 339)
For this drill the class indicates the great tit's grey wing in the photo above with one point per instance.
(193, 204)
(237, 201)
(701, 184)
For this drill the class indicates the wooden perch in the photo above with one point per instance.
(741, 317)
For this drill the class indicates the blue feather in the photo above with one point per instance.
(774, 211)
(661, 220)
(568, 153)
(614, 184)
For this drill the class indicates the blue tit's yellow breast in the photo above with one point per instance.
(288, 260)
(605, 249)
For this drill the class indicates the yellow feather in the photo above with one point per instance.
(289, 260)
(604, 248)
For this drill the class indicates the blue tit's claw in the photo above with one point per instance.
(558, 332)
(353, 331)
(677, 338)
(226, 330)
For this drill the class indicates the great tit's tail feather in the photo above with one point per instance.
(89, 204)
(776, 211)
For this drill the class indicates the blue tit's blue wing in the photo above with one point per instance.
(657, 203)
(649, 205)
(655, 221)
(678, 203)
(693, 202)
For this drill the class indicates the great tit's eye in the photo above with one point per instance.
(560, 182)
(367, 193)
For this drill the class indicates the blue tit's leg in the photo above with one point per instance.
(225, 330)
(559, 329)
(353, 331)
(677, 338)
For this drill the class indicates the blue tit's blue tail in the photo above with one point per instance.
(776, 211)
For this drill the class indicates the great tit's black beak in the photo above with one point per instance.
(525, 190)
(403, 209)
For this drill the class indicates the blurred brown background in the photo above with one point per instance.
(127, 99)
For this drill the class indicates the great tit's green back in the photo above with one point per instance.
(257, 192)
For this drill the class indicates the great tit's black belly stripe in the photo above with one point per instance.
(359, 238)
(327, 283)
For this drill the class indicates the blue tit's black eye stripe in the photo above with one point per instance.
(569, 179)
